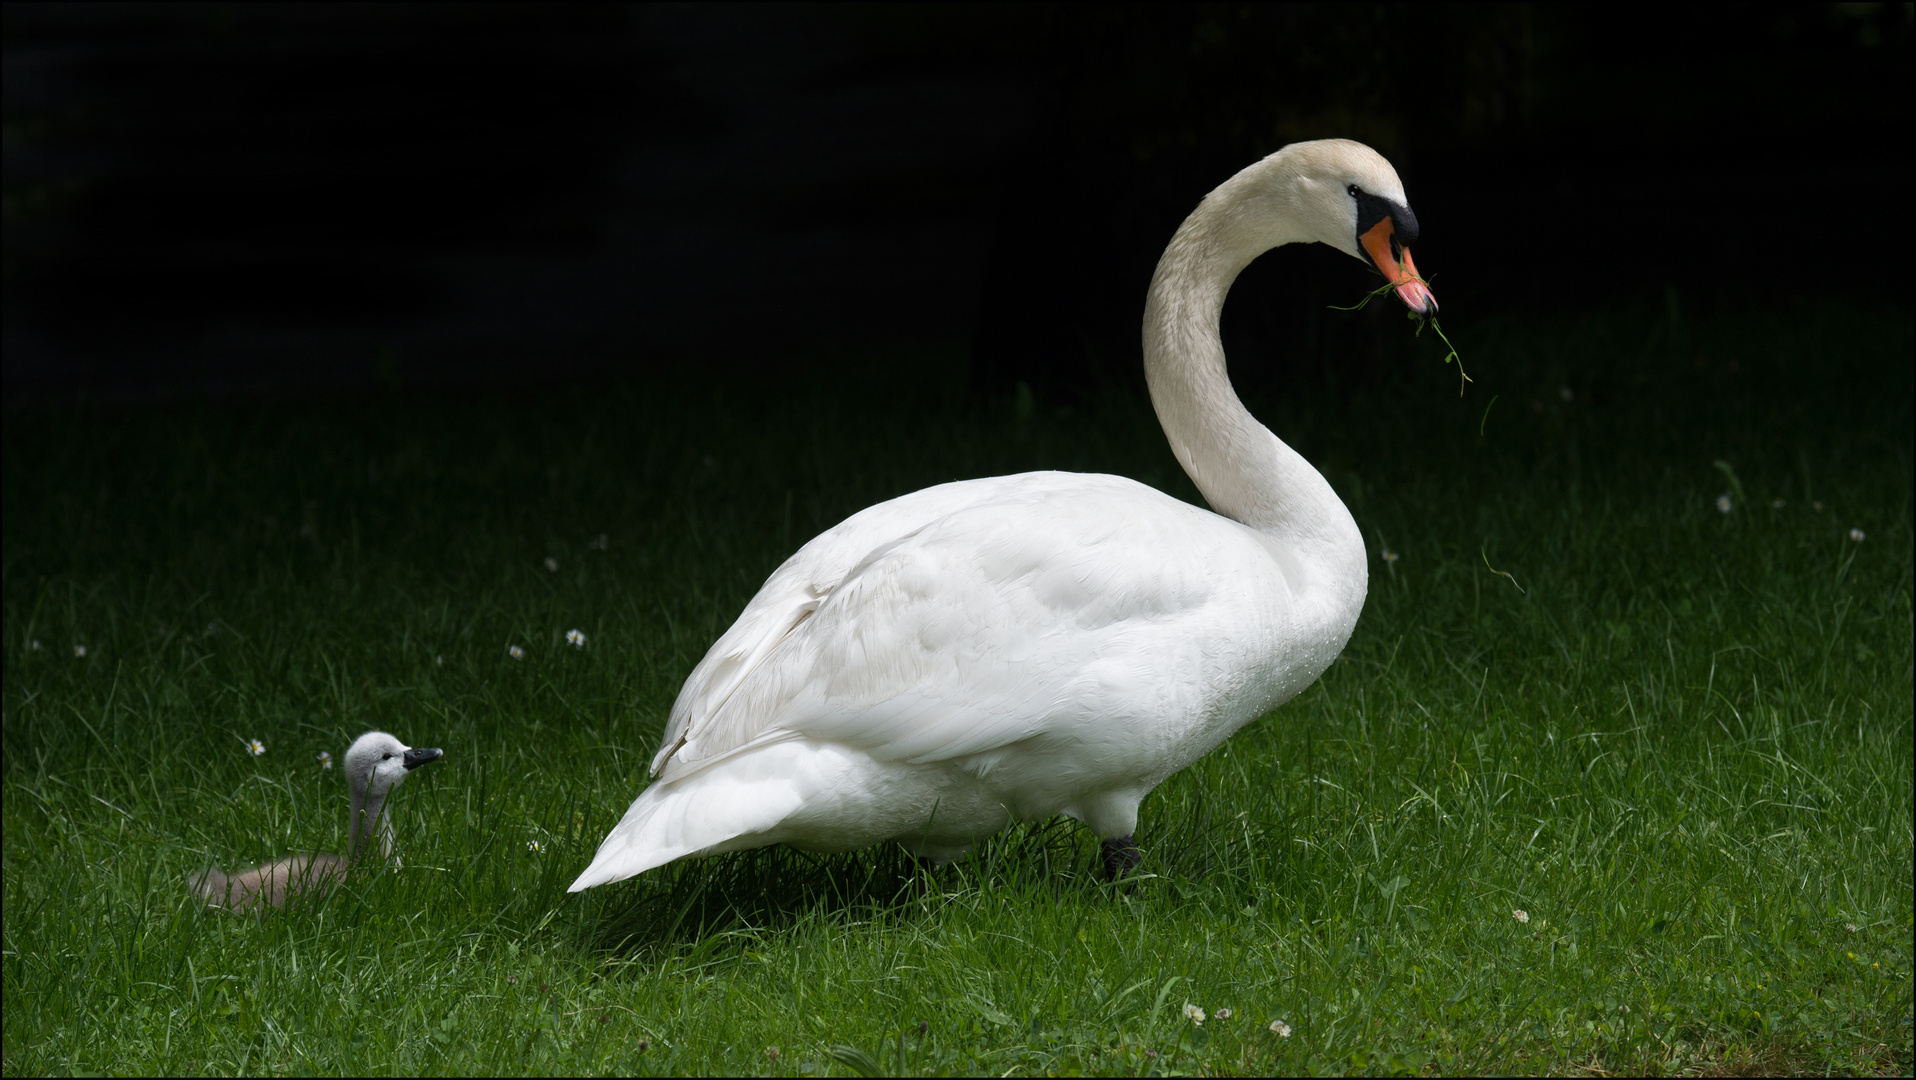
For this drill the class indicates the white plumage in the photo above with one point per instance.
(1016, 647)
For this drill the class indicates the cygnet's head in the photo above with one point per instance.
(1346, 195)
(376, 763)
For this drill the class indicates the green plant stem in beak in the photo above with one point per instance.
(1451, 350)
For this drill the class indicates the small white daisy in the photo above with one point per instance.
(1281, 1029)
(1224, 1014)
(515, 652)
(1520, 915)
(438, 661)
(1856, 535)
(575, 638)
(534, 846)
(79, 651)
(1723, 504)
(1194, 1014)
(1390, 556)
(255, 747)
(1850, 926)
(34, 645)
(552, 564)
(325, 760)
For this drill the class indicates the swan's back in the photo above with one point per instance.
(271, 885)
(968, 625)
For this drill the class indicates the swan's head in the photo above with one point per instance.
(1346, 195)
(377, 763)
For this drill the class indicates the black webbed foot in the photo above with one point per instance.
(1121, 856)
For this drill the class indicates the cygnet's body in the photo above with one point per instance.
(375, 765)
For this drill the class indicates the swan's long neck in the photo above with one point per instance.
(369, 822)
(1245, 472)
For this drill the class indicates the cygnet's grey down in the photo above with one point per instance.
(375, 765)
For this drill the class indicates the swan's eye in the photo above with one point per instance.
(1353, 190)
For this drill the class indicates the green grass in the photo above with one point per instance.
(1683, 748)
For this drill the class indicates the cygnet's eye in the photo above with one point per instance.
(385, 757)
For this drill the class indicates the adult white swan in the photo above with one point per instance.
(1021, 646)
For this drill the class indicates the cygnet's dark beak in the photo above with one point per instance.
(418, 756)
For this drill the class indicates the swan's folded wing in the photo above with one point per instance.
(1011, 618)
(794, 591)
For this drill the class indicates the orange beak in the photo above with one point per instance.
(1392, 259)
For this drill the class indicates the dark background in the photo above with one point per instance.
(218, 200)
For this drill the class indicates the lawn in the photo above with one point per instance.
(1608, 778)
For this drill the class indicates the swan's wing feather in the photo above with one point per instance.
(1033, 604)
(793, 592)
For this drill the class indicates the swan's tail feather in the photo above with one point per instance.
(213, 886)
(671, 821)
(729, 809)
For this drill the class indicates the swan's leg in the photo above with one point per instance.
(1121, 856)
